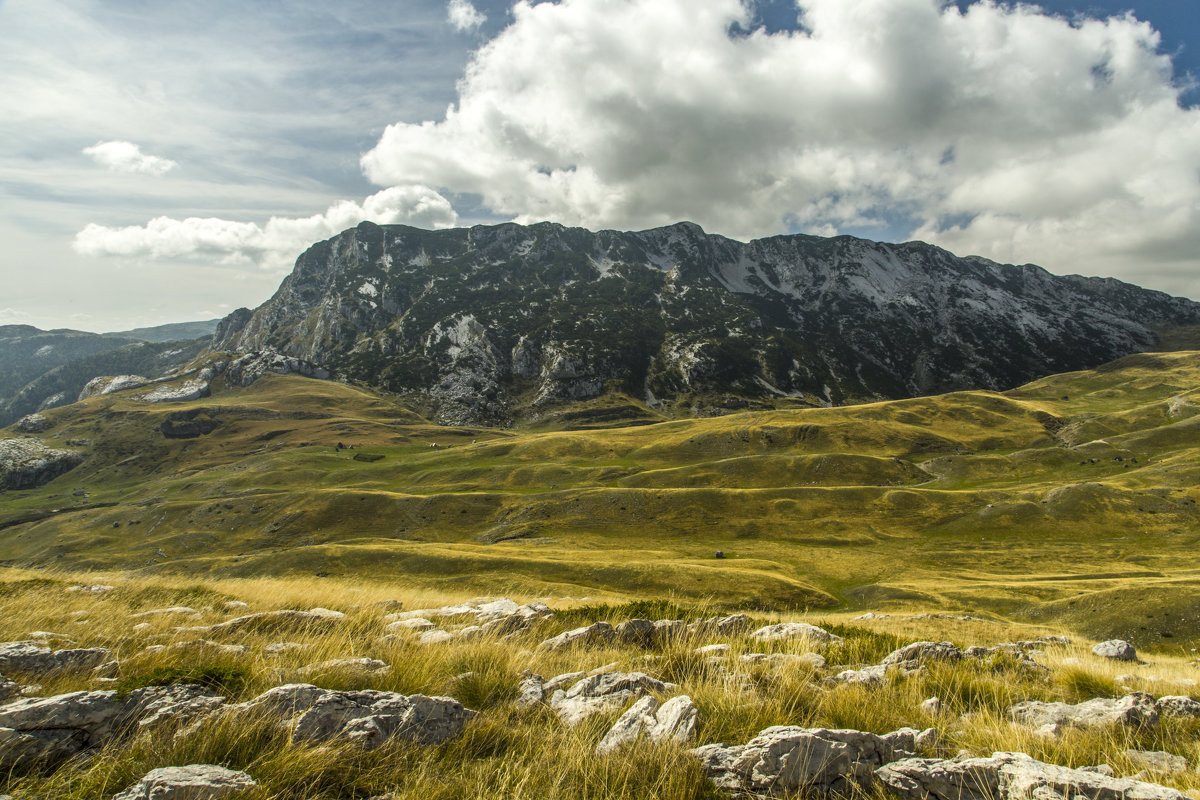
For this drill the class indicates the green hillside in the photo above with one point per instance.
(1072, 500)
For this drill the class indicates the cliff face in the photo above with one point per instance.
(496, 323)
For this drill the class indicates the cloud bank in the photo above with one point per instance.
(1002, 131)
(128, 157)
(464, 16)
(273, 245)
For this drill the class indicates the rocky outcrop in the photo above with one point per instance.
(33, 423)
(674, 720)
(186, 391)
(193, 782)
(107, 384)
(30, 463)
(1135, 710)
(790, 759)
(1010, 776)
(599, 693)
(249, 368)
(51, 729)
(33, 659)
(491, 323)
(367, 718)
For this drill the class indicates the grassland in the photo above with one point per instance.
(513, 752)
(1070, 502)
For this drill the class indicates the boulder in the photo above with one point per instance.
(596, 633)
(795, 630)
(366, 717)
(1135, 710)
(29, 658)
(1117, 649)
(436, 636)
(193, 782)
(1010, 776)
(674, 720)
(531, 691)
(279, 648)
(638, 632)
(801, 760)
(866, 676)
(920, 653)
(605, 692)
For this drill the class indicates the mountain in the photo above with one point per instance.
(496, 324)
(43, 369)
(171, 332)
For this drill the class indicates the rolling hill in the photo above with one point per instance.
(1070, 500)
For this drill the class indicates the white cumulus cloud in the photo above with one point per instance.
(273, 245)
(464, 16)
(128, 157)
(1002, 130)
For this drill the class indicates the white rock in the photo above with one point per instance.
(362, 666)
(193, 782)
(795, 630)
(1010, 776)
(1117, 649)
(674, 720)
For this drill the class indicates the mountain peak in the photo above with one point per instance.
(499, 323)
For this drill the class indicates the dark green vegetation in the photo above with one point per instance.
(1071, 501)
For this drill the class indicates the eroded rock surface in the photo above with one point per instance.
(792, 759)
(367, 717)
(29, 463)
(1134, 710)
(604, 692)
(33, 659)
(674, 720)
(193, 782)
(1010, 776)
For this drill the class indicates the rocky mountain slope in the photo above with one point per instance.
(494, 324)
(44, 369)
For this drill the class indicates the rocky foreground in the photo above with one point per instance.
(42, 732)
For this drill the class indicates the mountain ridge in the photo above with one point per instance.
(501, 324)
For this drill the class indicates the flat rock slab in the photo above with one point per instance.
(193, 782)
(1010, 776)
(1135, 710)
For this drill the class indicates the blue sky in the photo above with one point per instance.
(164, 162)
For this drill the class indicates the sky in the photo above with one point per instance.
(163, 162)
